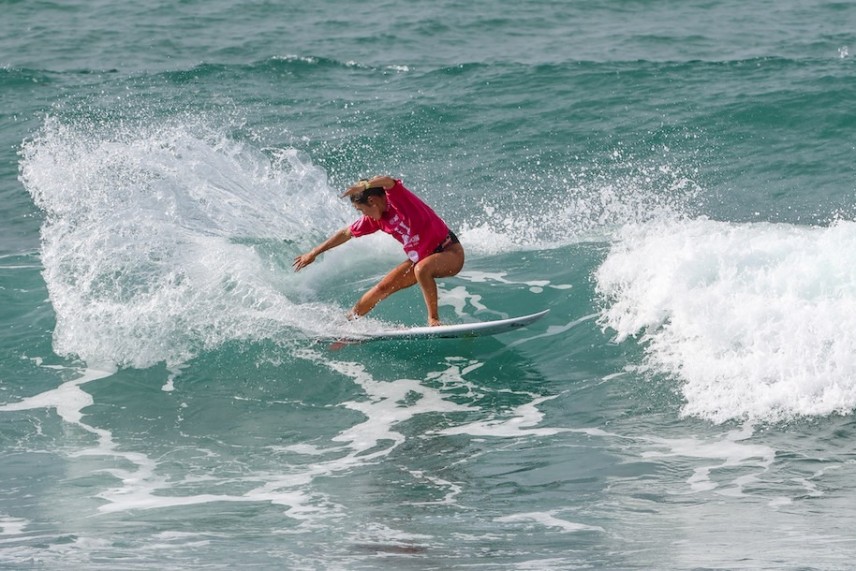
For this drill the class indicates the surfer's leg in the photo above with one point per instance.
(400, 277)
(441, 265)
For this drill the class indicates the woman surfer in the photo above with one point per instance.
(433, 251)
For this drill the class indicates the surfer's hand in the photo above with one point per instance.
(302, 261)
(384, 182)
(356, 189)
(336, 239)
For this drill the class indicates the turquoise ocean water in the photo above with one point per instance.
(673, 180)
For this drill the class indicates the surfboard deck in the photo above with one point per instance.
(455, 331)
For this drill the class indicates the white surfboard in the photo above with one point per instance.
(457, 330)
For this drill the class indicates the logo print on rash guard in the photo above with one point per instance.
(398, 226)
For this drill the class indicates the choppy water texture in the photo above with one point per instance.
(674, 181)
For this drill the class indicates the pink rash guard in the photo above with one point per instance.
(408, 220)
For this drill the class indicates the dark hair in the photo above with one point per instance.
(363, 197)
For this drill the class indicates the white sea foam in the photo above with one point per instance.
(383, 404)
(729, 449)
(11, 526)
(162, 240)
(523, 421)
(68, 400)
(548, 519)
(549, 210)
(534, 286)
(758, 321)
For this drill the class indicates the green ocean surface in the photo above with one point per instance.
(674, 181)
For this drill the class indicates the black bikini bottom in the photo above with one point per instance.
(450, 239)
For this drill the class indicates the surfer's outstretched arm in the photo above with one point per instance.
(336, 239)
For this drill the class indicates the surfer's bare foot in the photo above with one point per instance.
(434, 322)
